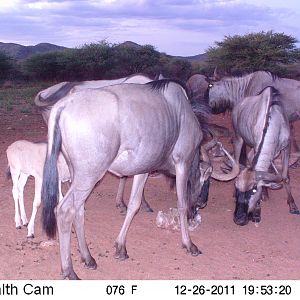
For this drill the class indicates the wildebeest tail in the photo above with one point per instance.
(50, 191)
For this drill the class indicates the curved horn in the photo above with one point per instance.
(262, 175)
(218, 175)
(216, 76)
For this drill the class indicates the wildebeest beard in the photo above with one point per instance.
(220, 106)
(203, 195)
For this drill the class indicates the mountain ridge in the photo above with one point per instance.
(20, 52)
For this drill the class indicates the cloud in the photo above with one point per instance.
(174, 26)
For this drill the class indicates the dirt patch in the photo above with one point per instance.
(267, 251)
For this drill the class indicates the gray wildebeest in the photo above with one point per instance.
(27, 159)
(260, 121)
(197, 86)
(136, 129)
(229, 91)
(45, 99)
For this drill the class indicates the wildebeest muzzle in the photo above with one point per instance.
(241, 215)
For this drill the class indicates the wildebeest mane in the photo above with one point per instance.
(161, 84)
(201, 110)
(274, 94)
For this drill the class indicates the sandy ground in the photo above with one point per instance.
(267, 251)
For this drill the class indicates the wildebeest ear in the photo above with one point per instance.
(216, 75)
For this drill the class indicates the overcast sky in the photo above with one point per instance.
(177, 27)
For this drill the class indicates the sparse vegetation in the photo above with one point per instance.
(20, 97)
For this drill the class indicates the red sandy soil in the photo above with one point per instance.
(267, 251)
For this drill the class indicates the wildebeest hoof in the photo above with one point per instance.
(72, 276)
(25, 225)
(31, 236)
(122, 208)
(18, 227)
(193, 249)
(121, 252)
(92, 265)
(148, 209)
(295, 211)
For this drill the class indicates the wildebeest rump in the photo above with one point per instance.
(136, 129)
(46, 98)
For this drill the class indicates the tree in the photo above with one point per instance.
(172, 67)
(267, 51)
(6, 66)
(93, 60)
(133, 59)
(43, 66)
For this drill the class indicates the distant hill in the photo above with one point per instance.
(195, 58)
(19, 52)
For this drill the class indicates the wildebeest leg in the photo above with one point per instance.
(65, 217)
(120, 202)
(265, 193)
(145, 205)
(21, 184)
(70, 210)
(15, 193)
(35, 206)
(119, 199)
(238, 144)
(133, 207)
(294, 145)
(86, 257)
(182, 205)
(285, 165)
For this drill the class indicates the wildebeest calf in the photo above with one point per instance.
(24, 159)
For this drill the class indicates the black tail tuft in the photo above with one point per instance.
(50, 189)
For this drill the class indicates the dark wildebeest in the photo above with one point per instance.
(260, 121)
(46, 98)
(136, 129)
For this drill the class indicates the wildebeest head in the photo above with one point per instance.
(248, 192)
(207, 169)
(218, 95)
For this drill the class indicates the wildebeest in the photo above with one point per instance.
(197, 86)
(45, 99)
(27, 159)
(136, 129)
(229, 91)
(261, 122)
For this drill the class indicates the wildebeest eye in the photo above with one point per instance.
(254, 189)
